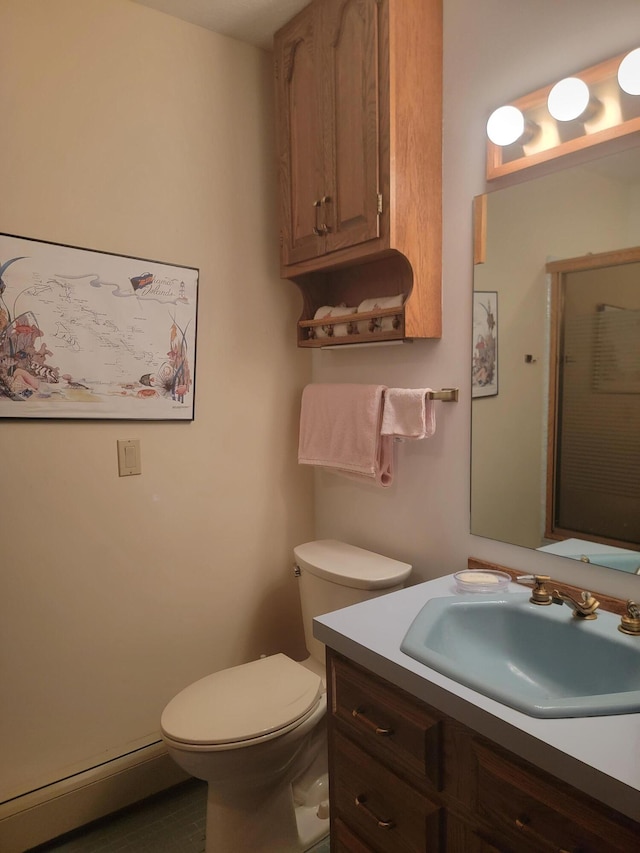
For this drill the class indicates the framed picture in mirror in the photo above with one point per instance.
(484, 355)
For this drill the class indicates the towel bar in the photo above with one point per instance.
(447, 395)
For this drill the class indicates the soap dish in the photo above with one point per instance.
(481, 580)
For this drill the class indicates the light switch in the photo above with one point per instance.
(129, 458)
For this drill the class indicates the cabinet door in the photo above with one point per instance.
(544, 815)
(351, 98)
(298, 54)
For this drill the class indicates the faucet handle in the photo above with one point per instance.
(630, 621)
(540, 594)
(589, 603)
(583, 608)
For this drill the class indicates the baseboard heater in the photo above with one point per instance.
(62, 806)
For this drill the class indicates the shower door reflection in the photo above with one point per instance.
(593, 464)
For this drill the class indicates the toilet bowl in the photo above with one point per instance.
(256, 733)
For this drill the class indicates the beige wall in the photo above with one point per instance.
(494, 51)
(128, 131)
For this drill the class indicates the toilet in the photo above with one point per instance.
(256, 732)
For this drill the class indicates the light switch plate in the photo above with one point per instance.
(129, 458)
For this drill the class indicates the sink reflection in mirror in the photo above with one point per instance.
(596, 553)
(588, 209)
(538, 660)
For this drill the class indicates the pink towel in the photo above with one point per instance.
(340, 431)
(408, 413)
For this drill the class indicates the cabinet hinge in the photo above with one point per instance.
(379, 202)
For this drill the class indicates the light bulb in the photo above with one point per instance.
(505, 125)
(568, 99)
(629, 73)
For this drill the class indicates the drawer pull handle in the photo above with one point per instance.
(379, 730)
(382, 824)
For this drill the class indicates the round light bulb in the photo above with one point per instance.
(568, 99)
(629, 73)
(505, 125)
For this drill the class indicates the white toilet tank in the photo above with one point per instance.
(333, 575)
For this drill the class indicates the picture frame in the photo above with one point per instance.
(94, 335)
(484, 350)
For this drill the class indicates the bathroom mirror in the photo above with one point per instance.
(532, 233)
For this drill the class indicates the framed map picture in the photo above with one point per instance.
(484, 366)
(87, 334)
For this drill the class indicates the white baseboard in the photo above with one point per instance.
(39, 816)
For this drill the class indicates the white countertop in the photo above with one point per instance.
(597, 755)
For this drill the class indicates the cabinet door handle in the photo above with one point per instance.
(326, 199)
(316, 229)
(320, 229)
(379, 730)
(360, 802)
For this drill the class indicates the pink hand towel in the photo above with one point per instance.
(340, 431)
(408, 413)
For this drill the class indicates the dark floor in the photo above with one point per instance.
(171, 822)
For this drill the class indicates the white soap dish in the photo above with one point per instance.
(481, 580)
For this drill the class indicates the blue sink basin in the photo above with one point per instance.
(536, 659)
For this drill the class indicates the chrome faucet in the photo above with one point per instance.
(584, 608)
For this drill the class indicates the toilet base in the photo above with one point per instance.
(311, 828)
(265, 797)
(261, 820)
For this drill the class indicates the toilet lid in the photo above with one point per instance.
(244, 702)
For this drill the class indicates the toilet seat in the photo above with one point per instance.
(243, 705)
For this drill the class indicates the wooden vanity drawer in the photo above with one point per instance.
(344, 841)
(462, 838)
(383, 810)
(542, 812)
(387, 723)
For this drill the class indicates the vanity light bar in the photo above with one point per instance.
(590, 107)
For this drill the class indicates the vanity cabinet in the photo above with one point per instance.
(359, 122)
(404, 777)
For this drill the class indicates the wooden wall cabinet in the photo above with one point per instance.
(359, 119)
(403, 776)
